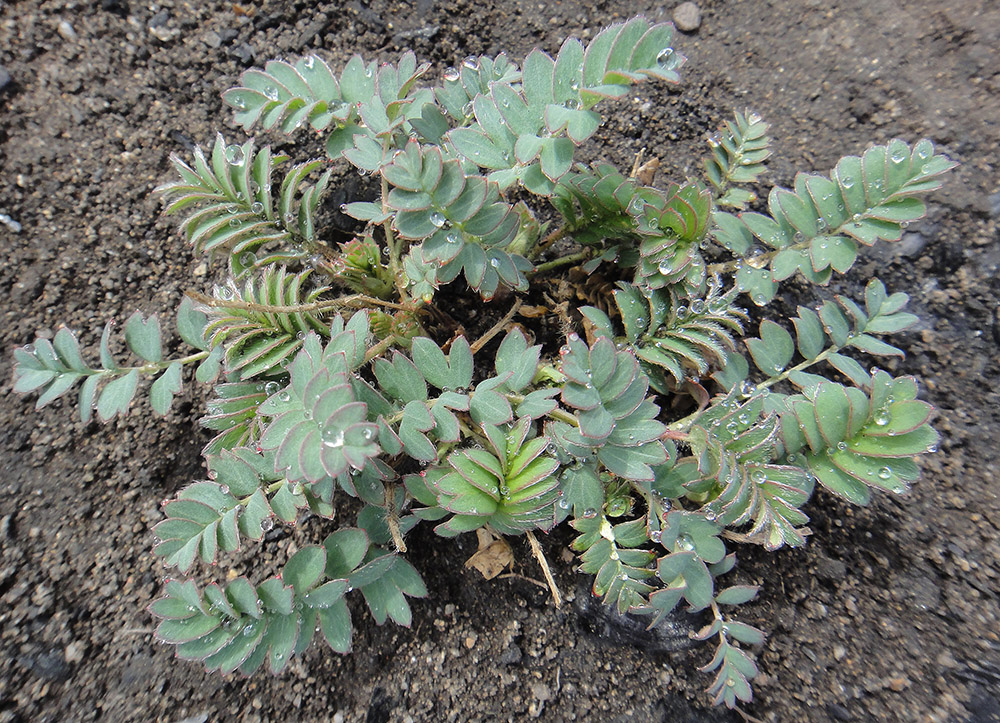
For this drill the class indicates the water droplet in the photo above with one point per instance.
(494, 262)
(665, 56)
(731, 427)
(438, 219)
(746, 388)
(664, 266)
(821, 224)
(368, 432)
(300, 335)
(842, 446)
(847, 182)
(451, 238)
(471, 62)
(656, 535)
(684, 542)
(271, 387)
(257, 207)
(758, 476)
(898, 155)
(225, 293)
(682, 313)
(590, 513)
(451, 74)
(884, 473)
(247, 258)
(504, 490)
(266, 524)
(333, 438)
(697, 306)
(744, 418)
(235, 223)
(234, 154)
(882, 417)
(564, 504)
(711, 516)
(271, 93)
(468, 109)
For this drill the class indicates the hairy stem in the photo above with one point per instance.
(560, 262)
(547, 241)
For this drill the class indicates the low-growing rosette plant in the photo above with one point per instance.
(663, 429)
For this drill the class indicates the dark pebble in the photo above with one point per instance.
(510, 656)
(839, 712)
(47, 666)
(4, 78)
(118, 7)
(830, 570)
(243, 53)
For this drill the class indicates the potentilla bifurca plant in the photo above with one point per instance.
(660, 431)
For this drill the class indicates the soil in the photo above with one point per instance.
(889, 613)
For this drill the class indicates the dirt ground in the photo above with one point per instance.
(890, 613)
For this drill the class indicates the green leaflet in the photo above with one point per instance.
(242, 627)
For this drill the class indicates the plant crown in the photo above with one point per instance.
(320, 393)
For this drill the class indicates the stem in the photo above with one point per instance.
(354, 300)
(561, 261)
(157, 366)
(378, 349)
(824, 355)
(558, 414)
(395, 250)
(496, 328)
(536, 549)
(547, 241)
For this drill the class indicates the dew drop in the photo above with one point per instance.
(590, 513)
(451, 238)
(271, 387)
(685, 542)
(451, 74)
(697, 306)
(257, 207)
(747, 388)
(564, 504)
(882, 417)
(494, 262)
(842, 446)
(711, 516)
(847, 182)
(266, 524)
(664, 266)
(758, 476)
(368, 433)
(744, 418)
(665, 56)
(248, 259)
(471, 62)
(271, 93)
(656, 536)
(682, 313)
(898, 155)
(300, 335)
(235, 223)
(333, 438)
(234, 154)
(437, 219)
(884, 473)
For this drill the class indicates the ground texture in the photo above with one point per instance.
(890, 613)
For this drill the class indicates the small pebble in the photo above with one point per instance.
(4, 78)
(687, 17)
(66, 30)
